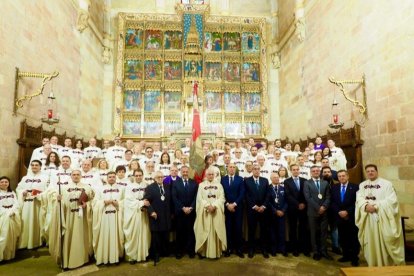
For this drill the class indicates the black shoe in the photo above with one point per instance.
(285, 254)
(265, 255)
(227, 253)
(343, 260)
(178, 256)
(336, 250)
(327, 256)
(132, 262)
(307, 254)
(191, 255)
(273, 254)
(316, 257)
(157, 259)
(251, 254)
(296, 253)
(355, 263)
(240, 254)
(200, 256)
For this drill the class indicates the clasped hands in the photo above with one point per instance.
(369, 208)
(231, 207)
(322, 210)
(113, 202)
(258, 209)
(187, 210)
(210, 209)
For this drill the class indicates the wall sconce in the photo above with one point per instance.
(50, 118)
(361, 105)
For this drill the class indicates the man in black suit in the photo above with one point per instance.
(343, 197)
(298, 222)
(184, 193)
(256, 198)
(317, 195)
(233, 186)
(158, 203)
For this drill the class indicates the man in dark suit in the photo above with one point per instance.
(184, 194)
(343, 197)
(233, 186)
(158, 203)
(277, 206)
(317, 196)
(256, 197)
(297, 217)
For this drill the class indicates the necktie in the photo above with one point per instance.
(297, 184)
(317, 185)
(257, 183)
(343, 190)
(231, 180)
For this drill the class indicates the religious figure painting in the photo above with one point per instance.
(132, 128)
(233, 129)
(134, 38)
(133, 69)
(172, 101)
(173, 70)
(212, 42)
(215, 128)
(153, 40)
(152, 101)
(231, 72)
(252, 102)
(173, 40)
(250, 42)
(213, 101)
(250, 72)
(232, 102)
(193, 68)
(253, 128)
(231, 41)
(152, 128)
(171, 127)
(132, 101)
(153, 69)
(212, 71)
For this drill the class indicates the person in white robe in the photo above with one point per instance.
(42, 156)
(90, 177)
(73, 203)
(92, 151)
(136, 222)
(377, 216)
(209, 227)
(10, 222)
(108, 236)
(121, 179)
(38, 151)
(114, 153)
(338, 156)
(33, 208)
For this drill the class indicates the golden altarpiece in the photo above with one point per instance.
(159, 56)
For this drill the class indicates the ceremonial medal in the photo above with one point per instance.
(162, 198)
(276, 200)
(320, 196)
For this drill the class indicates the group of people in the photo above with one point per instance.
(129, 205)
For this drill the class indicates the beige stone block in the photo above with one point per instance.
(402, 124)
(411, 160)
(406, 173)
(387, 150)
(392, 126)
(389, 172)
(406, 148)
(399, 160)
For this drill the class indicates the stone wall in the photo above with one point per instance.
(346, 39)
(41, 36)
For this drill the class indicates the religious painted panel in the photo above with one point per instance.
(173, 70)
(132, 101)
(172, 101)
(252, 102)
(215, 128)
(212, 101)
(212, 71)
(132, 128)
(250, 42)
(232, 102)
(253, 128)
(231, 41)
(173, 40)
(251, 72)
(152, 101)
(133, 69)
(153, 40)
(152, 128)
(213, 41)
(193, 68)
(231, 72)
(153, 70)
(134, 39)
(233, 129)
(171, 127)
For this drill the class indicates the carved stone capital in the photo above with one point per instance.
(82, 21)
(300, 30)
(275, 56)
(106, 55)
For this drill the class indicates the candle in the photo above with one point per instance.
(49, 113)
